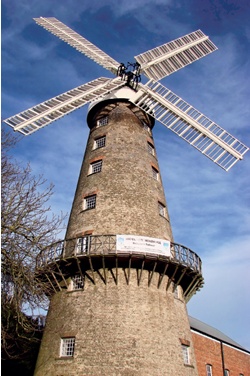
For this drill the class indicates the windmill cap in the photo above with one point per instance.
(122, 93)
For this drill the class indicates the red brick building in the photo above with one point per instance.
(216, 354)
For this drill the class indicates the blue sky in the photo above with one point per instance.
(209, 208)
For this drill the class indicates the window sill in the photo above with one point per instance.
(87, 209)
(163, 216)
(65, 358)
(188, 365)
(93, 173)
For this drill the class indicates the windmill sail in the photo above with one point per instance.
(170, 57)
(168, 108)
(46, 112)
(78, 42)
(190, 124)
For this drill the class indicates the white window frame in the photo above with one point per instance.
(176, 292)
(151, 149)
(155, 173)
(67, 347)
(77, 282)
(82, 245)
(185, 354)
(95, 167)
(89, 202)
(103, 121)
(99, 142)
(146, 127)
(162, 209)
(209, 370)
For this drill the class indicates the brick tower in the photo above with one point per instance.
(120, 282)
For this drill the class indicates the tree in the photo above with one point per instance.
(28, 228)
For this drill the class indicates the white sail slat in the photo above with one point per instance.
(81, 44)
(55, 108)
(170, 57)
(190, 124)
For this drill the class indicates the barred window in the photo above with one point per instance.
(77, 282)
(67, 346)
(90, 202)
(155, 173)
(151, 149)
(162, 209)
(102, 121)
(95, 167)
(100, 142)
(185, 353)
(209, 370)
(82, 245)
(176, 292)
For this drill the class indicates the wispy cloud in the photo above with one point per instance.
(224, 297)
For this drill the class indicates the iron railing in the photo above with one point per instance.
(106, 245)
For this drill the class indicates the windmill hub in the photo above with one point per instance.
(130, 74)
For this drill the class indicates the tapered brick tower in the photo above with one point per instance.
(120, 283)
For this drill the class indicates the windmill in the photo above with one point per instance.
(119, 259)
(161, 103)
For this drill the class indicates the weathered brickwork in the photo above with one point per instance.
(208, 351)
(127, 193)
(121, 326)
(122, 329)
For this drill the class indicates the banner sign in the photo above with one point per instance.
(142, 244)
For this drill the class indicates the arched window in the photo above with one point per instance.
(209, 371)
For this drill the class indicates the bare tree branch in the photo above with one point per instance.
(28, 227)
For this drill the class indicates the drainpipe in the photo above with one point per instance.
(222, 358)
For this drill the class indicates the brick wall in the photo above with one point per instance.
(119, 329)
(127, 193)
(208, 351)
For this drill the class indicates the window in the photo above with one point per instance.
(67, 346)
(77, 282)
(146, 127)
(162, 209)
(100, 142)
(226, 372)
(90, 202)
(155, 173)
(95, 167)
(82, 245)
(209, 370)
(176, 292)
(102, 121)
(185, 353)
(151, 149)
